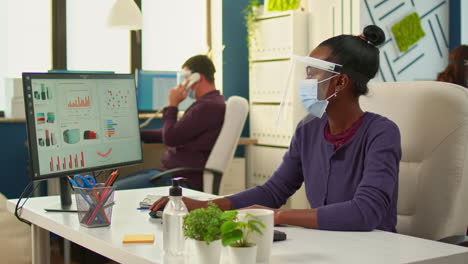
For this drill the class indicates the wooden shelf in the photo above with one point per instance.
(148, 115)
(247, 141)
(12, 120)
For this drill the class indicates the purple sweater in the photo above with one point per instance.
(191, 138)
(354, 188)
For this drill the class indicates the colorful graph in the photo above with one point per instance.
(71, 136)
(110, 128)
(44, 94)
(117, 98)
(79, 102)
(88, 134)
(40, 118)
(67, 162)
(47, 139)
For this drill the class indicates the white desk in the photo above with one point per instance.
(302, 245)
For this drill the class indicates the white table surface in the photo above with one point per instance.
(302, 245)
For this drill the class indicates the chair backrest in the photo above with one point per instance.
(223, 150)
(433, 180)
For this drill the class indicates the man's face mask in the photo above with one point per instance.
(184, 76)
(309, 78)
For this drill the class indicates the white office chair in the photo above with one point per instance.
(433, 181)
(15, 237)
(223, 150)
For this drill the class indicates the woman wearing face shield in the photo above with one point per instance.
(348, 159)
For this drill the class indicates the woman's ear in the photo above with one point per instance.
(342, 82)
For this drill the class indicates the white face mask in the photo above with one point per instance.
(191, 94)
(308, 91)
(182, 75)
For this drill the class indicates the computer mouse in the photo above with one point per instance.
(156, 214)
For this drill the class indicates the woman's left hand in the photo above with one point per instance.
(275, 211)
(297, 217)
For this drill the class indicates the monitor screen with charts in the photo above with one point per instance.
(80, 122)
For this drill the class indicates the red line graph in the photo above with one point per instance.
(104, 154)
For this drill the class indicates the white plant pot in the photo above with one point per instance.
(243, 255)
(206, 254)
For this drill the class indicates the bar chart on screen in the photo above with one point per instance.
(78, 98)
(46, 137)
(69, 161)
(42, 93)
(109, 128)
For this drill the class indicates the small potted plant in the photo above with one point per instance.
(203, 228)
(236, 233)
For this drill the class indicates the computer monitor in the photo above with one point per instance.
(80, 122)
(153, 90)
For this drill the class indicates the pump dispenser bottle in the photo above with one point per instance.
(173, 217)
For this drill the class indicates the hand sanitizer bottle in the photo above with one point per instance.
(173, 218)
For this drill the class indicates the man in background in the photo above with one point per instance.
(190, 139)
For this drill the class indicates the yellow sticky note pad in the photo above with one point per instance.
(138, 239)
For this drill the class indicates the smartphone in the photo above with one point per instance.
(194, 77)
(279, 236)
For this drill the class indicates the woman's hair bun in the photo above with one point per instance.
(374, 35)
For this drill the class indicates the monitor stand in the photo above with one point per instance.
(66, 204)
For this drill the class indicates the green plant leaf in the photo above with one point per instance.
(237, 233)
(231, 237)
(258, 222)
(229, 214)
(203, 224)
(255, 228)
(250, 17)
(228, 226)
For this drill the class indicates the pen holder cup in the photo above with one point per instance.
(94, 205)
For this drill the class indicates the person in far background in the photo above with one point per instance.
(190, 139)
(456, 70)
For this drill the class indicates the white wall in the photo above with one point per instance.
(424, 61)
(335, 17)
(91, 44)
(25, 39)
(3, 52)
(174, 31)
(332, 17)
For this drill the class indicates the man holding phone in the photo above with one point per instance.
(191, 138)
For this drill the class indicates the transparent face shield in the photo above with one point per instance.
(305, 95)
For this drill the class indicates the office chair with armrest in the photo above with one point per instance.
(433, 180)
(223, 150)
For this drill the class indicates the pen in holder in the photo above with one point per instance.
(94, 205)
